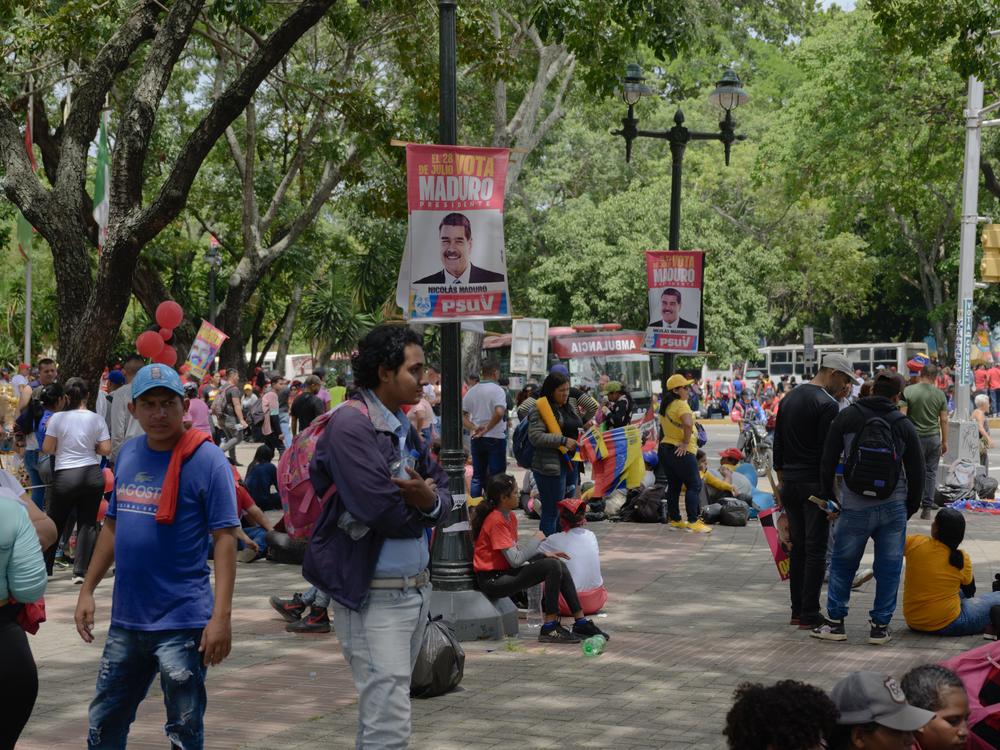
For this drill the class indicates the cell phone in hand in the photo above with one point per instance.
(827, 506)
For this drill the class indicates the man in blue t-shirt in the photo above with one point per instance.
(163, 615)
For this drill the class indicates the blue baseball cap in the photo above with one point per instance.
(156, 376)
(117, 377)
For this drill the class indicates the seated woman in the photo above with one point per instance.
(939, 589)
(503, 567)
(583, 556)
(262, 475)
(938, 689)
(713, 487)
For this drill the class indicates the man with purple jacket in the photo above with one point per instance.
(369, 552)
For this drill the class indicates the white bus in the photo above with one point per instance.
(790, 358)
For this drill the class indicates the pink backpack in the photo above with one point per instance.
(299, 500)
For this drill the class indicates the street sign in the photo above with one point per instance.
(529, 346)
(809, 346)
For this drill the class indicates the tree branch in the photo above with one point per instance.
(298, 159)
(989, 178)
(226, 108)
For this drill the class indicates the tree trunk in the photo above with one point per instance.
(472, 353)
(285, 338)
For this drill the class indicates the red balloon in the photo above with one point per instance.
(149, 344)
(166, 333)
(167, 356)
(169, 314)
(102, 510)
(109, 480)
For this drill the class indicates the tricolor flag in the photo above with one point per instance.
(24, 228)
(616, 455)
(102, 184)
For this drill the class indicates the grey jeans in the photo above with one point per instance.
(234, 436)
(381, 642)
(931, 447)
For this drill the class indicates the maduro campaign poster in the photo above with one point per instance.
(674, 280)
(454, 265)
(203, 350)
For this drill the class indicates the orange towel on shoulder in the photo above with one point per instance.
(190, 442)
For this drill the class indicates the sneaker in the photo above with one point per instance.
(62, 562)
(77, 580)
(290, 609)
(925, 514)
(588, 629)
(794, 620)
(317, 621)
(699, 527)
(830, 630)
(990, 634)
(246, 555)
(862, 578)
(558, 634)
(810, 623)
(677, 525)
(879, 635)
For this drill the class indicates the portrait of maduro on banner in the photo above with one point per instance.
(454, 265)
(203, 350)
(674, 280)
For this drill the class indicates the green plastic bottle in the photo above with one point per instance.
(594, 645)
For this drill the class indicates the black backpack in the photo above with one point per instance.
(875, 460)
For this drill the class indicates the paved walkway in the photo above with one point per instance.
(690, 617)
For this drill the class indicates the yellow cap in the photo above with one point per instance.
(676, 381)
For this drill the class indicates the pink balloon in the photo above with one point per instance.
(169, 314)
(166, 333)
(168, 356)
(109, 480)
(149, 344)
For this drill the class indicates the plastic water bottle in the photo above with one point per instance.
(594, 645)
(534, 615)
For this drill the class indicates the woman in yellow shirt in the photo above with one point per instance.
(677, 456)
(939, 589)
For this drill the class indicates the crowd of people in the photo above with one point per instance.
(145, 481)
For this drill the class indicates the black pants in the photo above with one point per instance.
(19, 686)
(82, 488)
(552, 571)
(274, 440)
(809, 529)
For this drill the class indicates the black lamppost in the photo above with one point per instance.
(728, 95)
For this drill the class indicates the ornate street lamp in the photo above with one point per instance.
(728, 95)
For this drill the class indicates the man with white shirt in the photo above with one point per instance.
(121, 424)
(670, 311)
(484, 408)
(455, 232)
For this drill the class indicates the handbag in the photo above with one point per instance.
(702, 436)
(440, 664)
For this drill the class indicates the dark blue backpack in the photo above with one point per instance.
(524, 451)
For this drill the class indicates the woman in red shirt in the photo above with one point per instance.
(503, 567)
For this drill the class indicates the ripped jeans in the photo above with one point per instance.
(129, 663)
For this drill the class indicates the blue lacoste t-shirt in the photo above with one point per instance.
(161, 570)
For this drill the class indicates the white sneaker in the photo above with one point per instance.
(862, 578)
(78, 580)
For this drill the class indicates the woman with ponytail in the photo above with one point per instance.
(939, 589)
(504, 567)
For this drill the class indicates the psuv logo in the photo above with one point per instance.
(471, 304)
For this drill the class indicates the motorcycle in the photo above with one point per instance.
(756, 444)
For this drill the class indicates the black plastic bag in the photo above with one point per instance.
(711, 513)
(734, 512)
(441, 663)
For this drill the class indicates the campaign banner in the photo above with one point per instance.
(203, 350)
(775, 527)
(674, 282)
(454, 264)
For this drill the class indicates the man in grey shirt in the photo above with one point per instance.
(121, 424)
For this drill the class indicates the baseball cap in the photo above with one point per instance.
(734, 453)
(156, 376)
(572, 504)
(866, 697)
(117, 377)
(839, 363)
(561, 369)
(676, 381)
(612, 386)
(247, 387)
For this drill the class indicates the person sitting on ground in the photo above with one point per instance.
(262, 475)
(788, 715)
(504, 567)
(253, 528)
(729, 459)
(939, 587)
(938, 689)
(713, 486)
(874, 714)
(584, 556)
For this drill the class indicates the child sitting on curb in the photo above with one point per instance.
(504, 567)
(583, 556)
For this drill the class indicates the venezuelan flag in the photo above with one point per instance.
(615, 457)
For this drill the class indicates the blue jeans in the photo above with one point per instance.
(489, 457)
(129, 663)
(31, 466)
(316, 598)
(886, 525)
(975, 615)
(381, 642)
(551, 489)
(681, 471)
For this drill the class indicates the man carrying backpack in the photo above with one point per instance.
(368, 550)
(883, 483)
